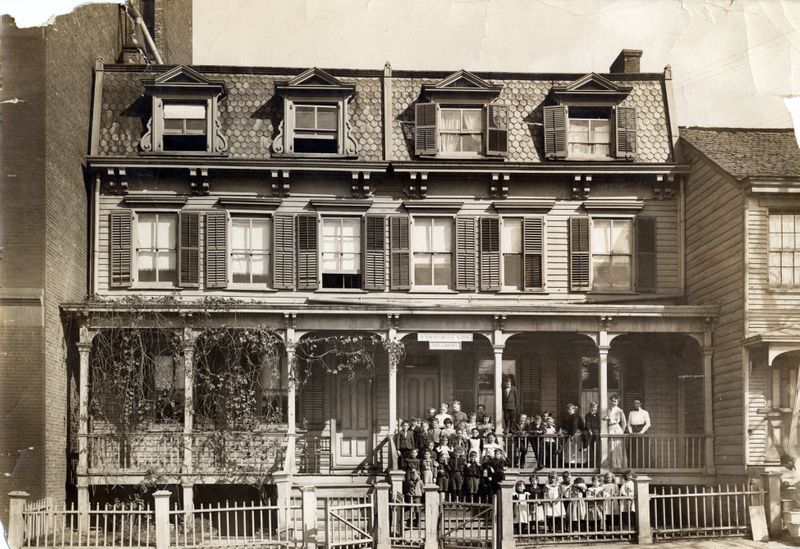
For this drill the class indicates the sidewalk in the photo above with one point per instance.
(716, 543)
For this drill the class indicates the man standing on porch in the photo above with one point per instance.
(509, 404)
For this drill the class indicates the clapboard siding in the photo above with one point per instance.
(714, 258)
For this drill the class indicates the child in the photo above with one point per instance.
(414, 493)
(476, 442)
(499, 469)
(448, 430)
(459, 417)
(419, 435)
(431, 447)
(427, 468)
(458, 469)
(443, 473)
(535, 432)
(471, 423)
(434, 432)
(610, 493)
(577, 505)
(565, 489)
(521, 509)
(487, 471)
(550, 442)
(487, 426)
(473, 474)
(595, 512)
(491, 445)
(444, 448)
(412, 464)
(627, 490)
(553, 506)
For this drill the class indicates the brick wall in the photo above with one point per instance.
(173, 30)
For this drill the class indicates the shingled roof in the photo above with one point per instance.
(744, 152)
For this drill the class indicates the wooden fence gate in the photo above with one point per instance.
(466, 522)
(349, 522)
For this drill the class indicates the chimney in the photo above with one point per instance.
(627, 62)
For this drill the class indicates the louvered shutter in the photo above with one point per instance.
(533, 250)
(307, 252)
(425, 132)
(189, 249)
(625, 132)
(120, 253)
(466, 246)
(646, 253)
(283, 236)
(496, 128)
(490, 254)
(530, 383)
(399, 275)
(579, 253)
(633, 381)
(374, 252)
(216, 249)
(555, 131)
(313, 401)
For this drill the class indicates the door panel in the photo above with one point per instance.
(419, 391)
(353, 420)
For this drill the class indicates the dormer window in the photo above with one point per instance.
(461, 119)
(588, 122)
(315, 122)
(184, 117)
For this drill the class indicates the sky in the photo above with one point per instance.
(734, 62)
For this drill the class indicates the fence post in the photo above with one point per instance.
(507, 514)
(643, 527)
(282, 488)
(309, 503)
(161, 498)
(16, 522)
(431, 516)
(383, 525)
(772, 502)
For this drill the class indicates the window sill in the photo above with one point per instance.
(183, 153)
(247, 288)
(523, 292)
(612, 292)
(155, 286)
(341, 290)
(315, 155)
(783, 289)
(432, 291)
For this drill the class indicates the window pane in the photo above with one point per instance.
(330, 262)
(449, 142)
(512, 271)
(601, 270)
(621, 236)
(600, 131)
(164, 373)
(441, 270)
(472, 119)
(184, 110)
(787, 224)
(775, 241)
(451, 119)
(196, 126)
(601, 234)
(579, 131)
(166, 261)
(422, 270)
(787, 241)
(260, 237)
(774, 275)
(304, 117)
(471, 142)
(165, 237)
(621, 272)
(174, 125)
(326, 118)
(350, 263)
(442, 237)
(775, 223)
(239, 234)
(512, 235)
(146, 262)
(420, 235)
(260, 267)
(239, 266)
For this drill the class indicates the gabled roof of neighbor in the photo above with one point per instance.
(746, 152)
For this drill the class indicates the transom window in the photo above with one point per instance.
(461, 130)
(589, 133)
(511, 248)
(316, 128)
(156, 249)
(250, 250)
(185, 126)
(611, 254)
(432, 249)
(784, 249)
(341, 252)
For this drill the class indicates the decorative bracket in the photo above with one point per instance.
(198, 180)
(418, 185)
(581, 187)
(665, 187)
(361, 187)
(605, 323)
(498, 188)
(499, 322)
(117, 180)
(280, 182)
(393, 320)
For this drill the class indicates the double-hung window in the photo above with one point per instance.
(341, 252)
(589, 133)
(156, 248)
(432, 250)
(461, 130)
(784, 249)
(250, 250)
(511, 248)
(316, 128)
(612, 250)
(169, 380)
(185, 126)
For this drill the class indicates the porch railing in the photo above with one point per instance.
(313, 454)
(646, 453)
(233, 452)
(139, 452)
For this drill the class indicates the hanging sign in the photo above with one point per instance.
(441, 337)
(444, 345)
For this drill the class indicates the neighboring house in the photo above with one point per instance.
(743, 254)
(498, 224)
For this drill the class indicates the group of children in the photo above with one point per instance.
(570, 505)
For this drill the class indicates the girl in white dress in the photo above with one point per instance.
(627, 490)
(521, 509)
(553, 506)
(595, 511)
(616, 426)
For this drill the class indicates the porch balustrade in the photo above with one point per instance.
(112, 453)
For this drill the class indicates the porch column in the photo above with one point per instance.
(498, 388)
(602, 350)
(708, 406)
(392, 409)
(189, 338)
(84, 349)
(291, 412)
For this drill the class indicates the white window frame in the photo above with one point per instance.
(631, 282)
(480, 109)
(290, 121)
(359, 219)
(450, 287)
(780, 251)
(160, 131)
(232, 216)
(136, 283)
(609, 119)
(503, 286)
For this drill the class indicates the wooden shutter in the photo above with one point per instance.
(425, 131)
(307, 252)
(496, 128)
(555, 131)
(399, 275)
(633, 381)
(216, 249)
(374, 250)
(490, 254)
(120, 253)
(646, 253)
(283, 254)
(579, 253)
(464, 381)
(533, 250)
(466, 246)
(313, 401)
(625, 132)
(189, 249)
(530, 383)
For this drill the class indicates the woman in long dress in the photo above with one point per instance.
(616, 427)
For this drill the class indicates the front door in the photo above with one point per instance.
(353, 437)
(420, 391)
